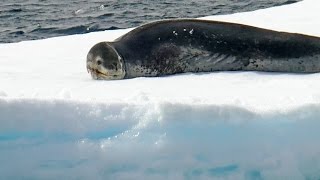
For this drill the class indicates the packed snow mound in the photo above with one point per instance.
(58, 123)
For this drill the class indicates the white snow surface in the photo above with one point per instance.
(58, 123)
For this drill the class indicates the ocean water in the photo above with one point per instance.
(37, 19)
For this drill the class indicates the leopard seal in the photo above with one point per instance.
(188, 45)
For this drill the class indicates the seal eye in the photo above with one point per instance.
(99, 62)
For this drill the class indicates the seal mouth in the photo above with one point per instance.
(98, 75)
(95, 74)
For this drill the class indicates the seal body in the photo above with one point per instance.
(188, 45)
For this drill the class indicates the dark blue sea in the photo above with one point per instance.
(37, 19)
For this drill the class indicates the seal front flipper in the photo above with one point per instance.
(163, 59)
(169, 58)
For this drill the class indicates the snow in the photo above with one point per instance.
(58, 123)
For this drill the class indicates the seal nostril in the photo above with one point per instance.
(99, 62)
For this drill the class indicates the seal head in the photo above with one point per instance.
(104, 62)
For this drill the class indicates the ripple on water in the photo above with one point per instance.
(43, 19)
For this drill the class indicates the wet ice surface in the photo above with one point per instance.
(58, 123)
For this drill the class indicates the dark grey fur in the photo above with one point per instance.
(187, 45)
